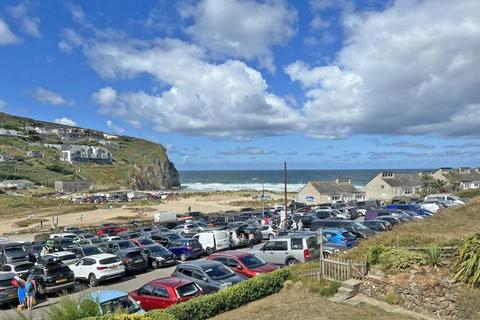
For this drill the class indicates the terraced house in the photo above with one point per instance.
(387, 185)
(468, 178)
(85, 154)
(340, 190)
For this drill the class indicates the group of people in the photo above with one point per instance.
(26, 291)
(292, 224)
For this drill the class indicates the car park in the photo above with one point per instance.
(185, 229)
(12, 252)
(52, 275)
(289, 250)
(129, 235)
(142, 242)
(60, 243)
(358, 229)
(20, 268)
(98, 268)
(117, 245)
(411, 207)
(8, 293)
(185, 249)
(165, 292)
(211, 276)
(213, 241)
(448, 198)
(158, 256)
(111, 230)
(243, 263)
(165, 238)
(110, 301)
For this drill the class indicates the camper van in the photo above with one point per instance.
(213, 241)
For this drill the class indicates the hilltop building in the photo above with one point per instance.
(85, 154)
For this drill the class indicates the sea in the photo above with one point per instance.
(272, 180)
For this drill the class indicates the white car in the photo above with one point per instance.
(268, 232)
(67, 257)
(110, 238)
(97, 268)
(63, 235)
(450, 199)
(430, 206)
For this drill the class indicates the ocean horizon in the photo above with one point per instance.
(273, 180)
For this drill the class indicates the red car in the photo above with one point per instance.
(111, 230)
(164, 292)
(243, 263)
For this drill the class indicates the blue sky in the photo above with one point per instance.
(230, 84)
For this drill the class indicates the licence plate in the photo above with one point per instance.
(169, 261)
(61, 280)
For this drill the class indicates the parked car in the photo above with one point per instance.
(165, 238)
(52, 275)
(63, 235)
(257, 233)
(105, 238)
(12, 252)
(450, 199)
(289, 250)
(213, 241)
(33, 250)
(117, 245)
(306, 219)
(133, 260)
(358, 229)
(71, 229)
(184, 229)
(8, 293)
(129, 235)
(67, 257)
(111, 230)
(342, 236)
(430, 206)
(158, 256)
(110, 301)
(20, 268)
(98, 268)
(243, 263)
(61, 244)
(211, 276)
(186, 248)
(377, 225)
(323, 214)
(165, 292)
(411, 207)
(142, 242)
(86, 250)
(268, 232)
(392, 220)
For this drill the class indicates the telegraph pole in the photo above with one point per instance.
(285, 184)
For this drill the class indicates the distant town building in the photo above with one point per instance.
(72, 186)
(77, 134)
(340, 190)
(8, 132)
(85, 154)
(469, 178)
(17, 184)
(34, 154)
(387, 185)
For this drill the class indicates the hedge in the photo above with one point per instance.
(208, 306)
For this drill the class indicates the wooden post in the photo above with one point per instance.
(285, 185)
(349, 275)
(321, 251)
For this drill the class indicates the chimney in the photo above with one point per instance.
(343, 181)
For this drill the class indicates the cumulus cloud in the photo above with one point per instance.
(6, 35)
(65, 121)
(245, 150)
(242, 28)
(116, 129)
(49, 97)
(410, 69)
(229, 99)
(28, 23)
(70, 40)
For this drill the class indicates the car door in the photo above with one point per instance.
(266, 251)
(203, 281)
(161, 297)
(280, 252)
(146, 297)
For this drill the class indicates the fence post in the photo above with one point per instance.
(321, 252)
(349, 275)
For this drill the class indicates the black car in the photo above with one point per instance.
(34, 250)
(306, 219)
(86, 250)
(375, 225)
(158, 256)
(13, 252)
(392, 220)
(8, 293)
(63, 244)
(133, 260)
(52, 275)
(117, 245)
(165, 238)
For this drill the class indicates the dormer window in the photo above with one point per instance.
(387, 174)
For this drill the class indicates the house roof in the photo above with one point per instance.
(469, 177)
(404, 180)
(332, 187)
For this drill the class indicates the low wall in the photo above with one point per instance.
(439, 302)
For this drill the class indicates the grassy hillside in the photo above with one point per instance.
(45, 170)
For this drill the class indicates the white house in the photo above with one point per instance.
(388, 185)
(85, 154)
(340, 190)
(8, 132)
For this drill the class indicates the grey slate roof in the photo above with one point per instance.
(469, 177)
(332, 187)
(404, 180)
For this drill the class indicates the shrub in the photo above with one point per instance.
(72, 309)
(467, 267)
(390, 298)
(374, 253)
(401, 259)
(434, 255)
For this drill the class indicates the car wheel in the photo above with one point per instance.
(183, 257)
(92, 280)
(155, 264)
(270, 236)
(292, 262)
(208, 251)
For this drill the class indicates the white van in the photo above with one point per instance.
(63, 235)
(213, 241)
(445, 197)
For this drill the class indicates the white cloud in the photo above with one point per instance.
(242, 28)
(410, 69)
(70, 40)
(28, 23)
(65, 121)
(6, 35)
(228, 100)
(2, 104)
(116, 129)
(49, 97)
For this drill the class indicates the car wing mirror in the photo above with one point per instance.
(205, 279)
(239, 267)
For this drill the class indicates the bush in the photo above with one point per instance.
(467, 267)
(434, 255)
(401, 259)
(59, 169)
(374, 253)
(72, 309)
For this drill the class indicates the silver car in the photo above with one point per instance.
(289, 250)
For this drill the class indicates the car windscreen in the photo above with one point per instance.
(68, 257)
(358, 226)
(53, 270)
(90, 251)
(252, 262)
(172, 236)
(157, 249)
(125, 245)
(23, 267)
(218, 272)
(66, 241)
(146, 242)
(348, 235)
(109, 260)
(14, 249)
(36, 248)
(96, 240)
(187, 290)
(120, 305)
(134, 254)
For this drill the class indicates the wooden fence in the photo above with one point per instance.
(333, 269)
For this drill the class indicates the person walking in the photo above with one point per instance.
(30, 290)
(294, 225)
(19, 283)
(44, 251)
(251, 240)
(300, 224)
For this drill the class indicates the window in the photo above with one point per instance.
(88, 262)
(297, 243)
(281, 246)
(187, 290)
(160, 292)
(186, 272)
(408, 191)
(387, 174)
(335, 198)
(6, 268)
(269, 246)
(332, 224)
(198, 275)
(232, 262)
(146, 290)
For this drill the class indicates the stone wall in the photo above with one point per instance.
(438, 302)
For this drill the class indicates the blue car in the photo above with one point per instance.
(110, 301)
(340, 236)
(410, 207)
(185, 248)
